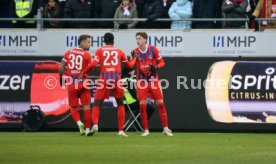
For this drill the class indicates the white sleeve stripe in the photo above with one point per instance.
(124, 61)
(96, 60)
(159, 58)
(64, 59)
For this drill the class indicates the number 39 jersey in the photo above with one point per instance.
(110, 59)
(76, 60)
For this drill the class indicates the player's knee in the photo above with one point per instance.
(143, 102)
(159, 101)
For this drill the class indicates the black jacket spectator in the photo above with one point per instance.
(79, 9)
(140, 6)
(207, 9)
(51, 10)
(61, 4)
(235, 9)
(152, 10)
(4, 13)
(106, 9)
(166, 6)
(252, 6)
(31, 14)
(4, 3)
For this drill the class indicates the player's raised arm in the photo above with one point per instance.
(93, 64)
(130, 64)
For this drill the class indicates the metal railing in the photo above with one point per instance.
(39, 20)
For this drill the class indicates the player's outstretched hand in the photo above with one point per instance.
(153, 68)
(134, 54)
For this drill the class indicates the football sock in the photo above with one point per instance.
(163, 114)
(87, 118)
(144, 117)
(75, 114)
(95, 115)
(121, 117)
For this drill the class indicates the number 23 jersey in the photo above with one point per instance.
(110, 59)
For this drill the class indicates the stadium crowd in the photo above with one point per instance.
(149, 9)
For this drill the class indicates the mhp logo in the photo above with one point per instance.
(2, 40)
(18, 40)
(233, 41)
(72, 41)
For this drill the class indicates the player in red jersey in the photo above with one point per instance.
(110, 59)
(148, 61)
(72, 64)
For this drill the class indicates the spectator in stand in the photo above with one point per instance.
(51, 10)
(106, 9)
(24, 9)
(249, 11)
(61, 5)
(152, 10)
(79, 9)
(265, 9)
(166, 4)
(207, 9)
(235, 9)
(126, 10)
(140, 6)
(179, 10)
(4, 13)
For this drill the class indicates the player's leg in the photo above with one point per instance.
(157, 94)
(121, 116)
(96, 115)
(118, 93)
(74, 104)
(101, 93)
(163, 116)
(85, 97)
(151, 108)
(142, 89)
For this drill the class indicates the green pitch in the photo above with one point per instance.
(69, 147)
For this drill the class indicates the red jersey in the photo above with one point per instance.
(150, 57)
(76, 60)
(110, 59)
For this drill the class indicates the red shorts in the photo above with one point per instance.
(145, 89)
(79, 92)
(103, 90)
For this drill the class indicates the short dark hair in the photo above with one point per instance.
(83, 37)
(142, 34)
(109, 38)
